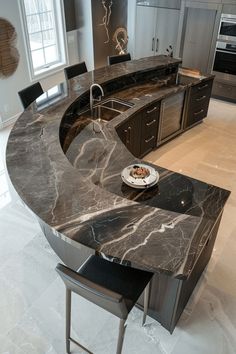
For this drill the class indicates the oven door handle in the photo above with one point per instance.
(225, 51)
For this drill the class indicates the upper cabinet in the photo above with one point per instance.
(156, 29)
(198, 32)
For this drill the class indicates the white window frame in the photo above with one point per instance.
(62, 42)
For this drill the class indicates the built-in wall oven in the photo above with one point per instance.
(224, 66)
(227, 30)
(225, 58)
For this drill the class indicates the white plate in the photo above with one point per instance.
(140, 183)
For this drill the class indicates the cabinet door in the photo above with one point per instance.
(197, 38)
(167, 24)
(145, 32)
(129, 133)
(171, 115)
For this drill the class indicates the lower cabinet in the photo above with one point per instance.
(139, 133)
(224, 91)
(149, 128)
(162, 120)
(198, 102)
(130, 134)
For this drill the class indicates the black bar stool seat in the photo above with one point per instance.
(114, 59)
(113, 287)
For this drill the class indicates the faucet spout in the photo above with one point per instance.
(91, 99)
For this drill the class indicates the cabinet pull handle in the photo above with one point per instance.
(129, 131)
(157, 45)
(202, 87)
(148, 140)
(152, 110)
(196, 113)
(153, 44)
(126, 136)
(150, 123)
(201, 98)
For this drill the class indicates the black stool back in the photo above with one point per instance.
(30, 93)
(114, 59)
(75, 70)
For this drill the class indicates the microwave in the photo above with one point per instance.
(227, 30)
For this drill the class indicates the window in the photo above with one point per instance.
(44, 34)
(52, 95)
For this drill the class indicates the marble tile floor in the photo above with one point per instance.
(32, 296)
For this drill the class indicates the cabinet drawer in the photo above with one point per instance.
(151, 112)
(149, 124)
(148, 143)
(197, 113)
(224, 90)
(200, 98)
(202, 89)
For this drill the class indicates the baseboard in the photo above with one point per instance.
(9, 122)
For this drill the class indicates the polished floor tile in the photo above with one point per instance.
(32, 296)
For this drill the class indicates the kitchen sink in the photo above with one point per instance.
(116, 104)
(104, 113)
(108, 109)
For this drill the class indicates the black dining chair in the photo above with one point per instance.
(75, 70)
(113, 287)
(30, 93)
(114, 59)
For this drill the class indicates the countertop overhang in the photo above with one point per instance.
(164, 232)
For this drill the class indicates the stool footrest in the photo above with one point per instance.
(80, 345)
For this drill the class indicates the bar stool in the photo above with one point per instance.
(30, 93)
(114, 59)
(75, 70)
(113, 287)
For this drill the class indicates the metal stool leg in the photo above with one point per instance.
(122, 329)
(68, 319)
(146, 301)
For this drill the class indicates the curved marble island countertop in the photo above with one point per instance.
(78, 193)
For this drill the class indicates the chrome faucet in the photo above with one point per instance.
(91, 99)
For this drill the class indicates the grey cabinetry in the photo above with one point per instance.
(198, 102)
(155, 30)
(198, 36)
(171, 116)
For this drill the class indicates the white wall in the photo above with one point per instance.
(84, 22)
(10, 105)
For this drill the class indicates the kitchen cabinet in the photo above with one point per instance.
(130, 134)
(139, 133)
(155, 30)
(149, 128)
(198, 102)
(224, 90)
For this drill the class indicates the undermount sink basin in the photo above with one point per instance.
(116, 104)
(108, 109)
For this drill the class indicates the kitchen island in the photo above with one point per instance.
(67, 171)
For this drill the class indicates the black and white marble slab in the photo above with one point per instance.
(69, 176)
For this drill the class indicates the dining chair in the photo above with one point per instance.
(114, 59)
(75, 70)
(113, 287)
(30, 93)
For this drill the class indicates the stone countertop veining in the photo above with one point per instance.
(79, 193)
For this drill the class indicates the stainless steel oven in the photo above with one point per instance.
(225, 58)
(227, 30)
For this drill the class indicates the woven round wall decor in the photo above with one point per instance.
(9, 55)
